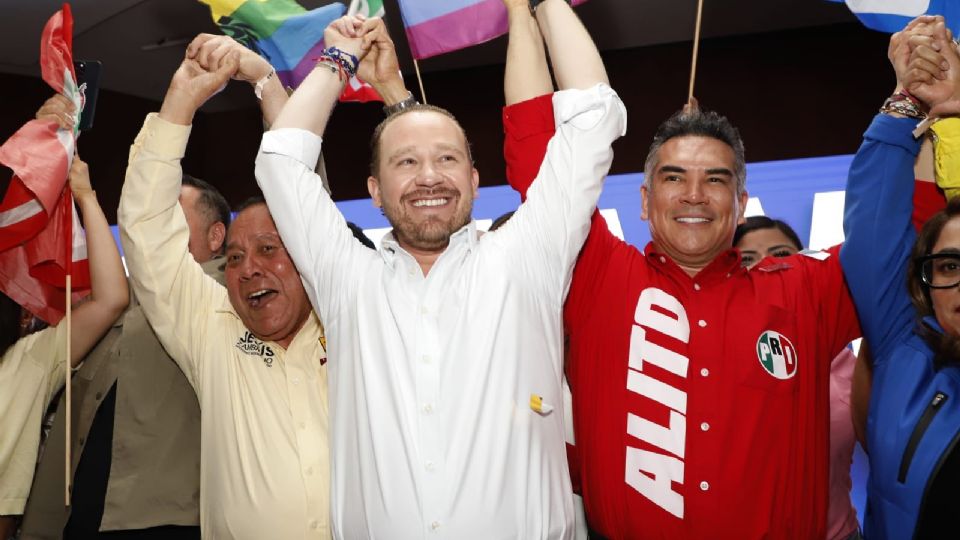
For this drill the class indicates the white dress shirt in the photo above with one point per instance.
(433, 431)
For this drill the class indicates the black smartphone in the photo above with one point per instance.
(88, 81)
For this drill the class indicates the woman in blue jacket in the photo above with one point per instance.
(907, 290)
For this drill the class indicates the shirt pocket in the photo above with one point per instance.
(766, 352)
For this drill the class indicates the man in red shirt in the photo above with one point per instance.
(700, 389)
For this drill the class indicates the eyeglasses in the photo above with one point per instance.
(940, 270)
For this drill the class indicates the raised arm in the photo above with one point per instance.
(168, 282)
(526, 74)
(583, 120)
(313, 230)
(879, 204)
(312, 104)
(575, 58)
(108, 295)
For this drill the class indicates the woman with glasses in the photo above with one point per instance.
(907, 291)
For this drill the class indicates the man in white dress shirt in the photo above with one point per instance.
(445, 394)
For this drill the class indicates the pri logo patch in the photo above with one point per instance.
(777, 355)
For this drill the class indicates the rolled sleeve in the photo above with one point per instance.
(554, 221)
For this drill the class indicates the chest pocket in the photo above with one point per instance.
(765, 351)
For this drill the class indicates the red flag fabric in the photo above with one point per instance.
(40, 237)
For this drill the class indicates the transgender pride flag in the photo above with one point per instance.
(438, 26)
(892, 15)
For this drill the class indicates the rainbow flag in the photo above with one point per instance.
(436, 27)
(281, 31)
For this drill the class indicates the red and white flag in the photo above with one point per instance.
(40, 237)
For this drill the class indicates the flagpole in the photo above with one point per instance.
(696, 49)
(416, 67)
(67, 396)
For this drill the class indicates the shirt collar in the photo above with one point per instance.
(465, 236)
(722, 266)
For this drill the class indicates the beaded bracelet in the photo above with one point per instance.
(347, 62)
(905, 104)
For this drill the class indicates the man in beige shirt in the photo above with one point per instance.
(252, 351)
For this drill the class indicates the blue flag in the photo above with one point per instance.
(892, 15)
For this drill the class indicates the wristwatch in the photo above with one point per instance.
(410, 101)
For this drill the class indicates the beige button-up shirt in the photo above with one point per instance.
(264, 460)
(31, 372)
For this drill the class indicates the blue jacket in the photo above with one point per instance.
(914, 416)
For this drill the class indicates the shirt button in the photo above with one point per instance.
(295, 381)
(696, 286)
(663, 259)
(303, 425)
(314, 525)
(424, 310)
(429, 465)
(704, 486)
(425, 359)
(99, 395)
(704, 426)
(427, 409)
(704, 372)
(702, 323)
(435, 525)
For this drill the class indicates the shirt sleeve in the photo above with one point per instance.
(945, 154)
(549, 229)
(879, 233)
(313, 230)
(167, 281)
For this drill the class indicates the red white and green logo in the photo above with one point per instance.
(777, 355)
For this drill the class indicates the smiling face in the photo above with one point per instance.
(425, 180)
(946, 302)
(691, 200)
(760, 243)
(262, 282)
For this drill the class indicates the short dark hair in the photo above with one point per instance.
(946, 347)
(419, 107)
(759, 223)
(211, 202)
(253, 200)
(698, 123)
